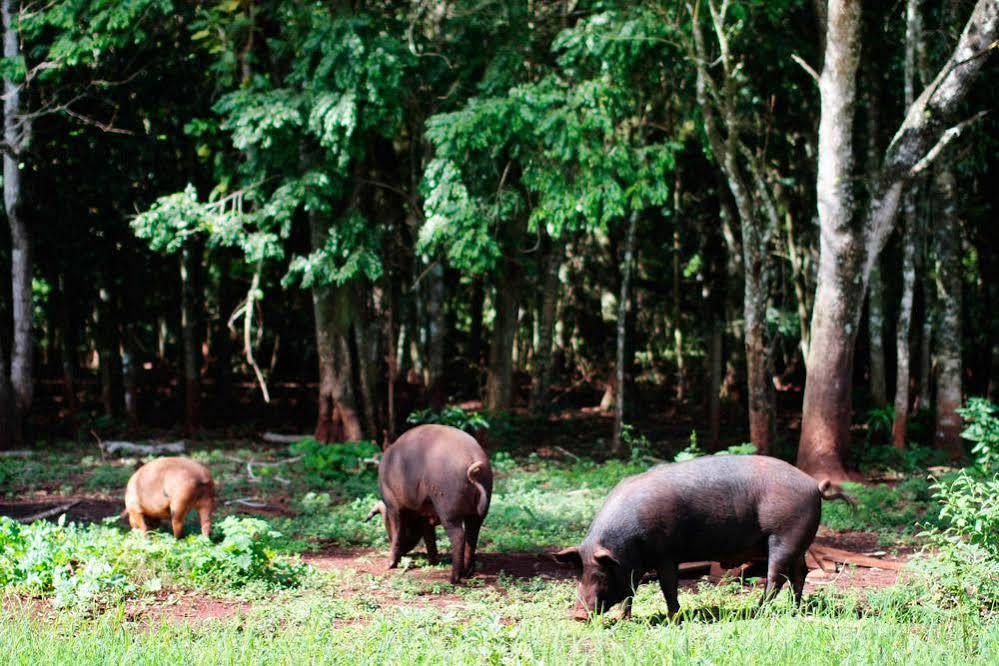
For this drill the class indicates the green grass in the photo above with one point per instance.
(350, 617)
(522, 623)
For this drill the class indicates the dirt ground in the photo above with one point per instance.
(188, 606)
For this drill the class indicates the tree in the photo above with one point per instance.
(851, 242)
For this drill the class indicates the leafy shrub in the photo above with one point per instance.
(879, 426)
(883, 508)
(983, 430)
(336, 461)
(694, 451)
(313, 503)
(80, 565)
(964, 570)
(970, 510)
(911, 459)
(453, 416)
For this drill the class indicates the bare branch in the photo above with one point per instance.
(948, 135)
(805, 66)
(104, 127)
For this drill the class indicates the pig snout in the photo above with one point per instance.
(585, 607)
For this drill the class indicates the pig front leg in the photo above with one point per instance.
(430, 540)
(456, 532)
(669, 584)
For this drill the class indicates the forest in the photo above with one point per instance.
(597, 235)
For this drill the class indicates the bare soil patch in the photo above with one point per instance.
(85, 509)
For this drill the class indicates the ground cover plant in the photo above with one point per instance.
(307, 582)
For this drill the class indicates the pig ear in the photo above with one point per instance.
(604, 557)
(569, 556)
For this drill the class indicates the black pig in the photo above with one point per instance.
(729, 509)
(435, 475)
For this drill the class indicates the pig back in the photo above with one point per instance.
(430, 464)
(715, 507)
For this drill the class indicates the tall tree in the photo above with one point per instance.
(851, 242)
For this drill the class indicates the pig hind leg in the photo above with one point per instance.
(430, 541)
(205, 508)
(798, 578)
(456, 532)
(669, 584)
(180, 506)
(780, 567)
(137, 521)
(472, 527)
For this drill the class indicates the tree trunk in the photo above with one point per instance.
(902, 342)
(67, 346)
(876, 295)
(714, 382)
(875, 332)
(622, 330)
(16, 132)
(947, 237)
(762, 398)
(337, 419)
(499, 379)
(910, 240)
(680, 392)
(435, 335)
(109, 352)
(475, 333)
(190, 315)
(826, 412)
(546, 326)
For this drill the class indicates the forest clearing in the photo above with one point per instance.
(429, 331)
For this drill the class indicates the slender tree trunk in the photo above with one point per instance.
(762, 398)
(622, 329)
(680, 393)
(499, 379)
(714, 382)
(948, 347)
(902, 337)
(366, 343)
(875, 331)
(546, 326)
(190, 315)
(926, 342)
(876, 295)
(16, 134)
(910, 240)
(109, 353)
(475, 333)
(435, 335)
(68, 341)
(222, 343)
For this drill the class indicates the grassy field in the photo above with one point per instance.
(303, 580)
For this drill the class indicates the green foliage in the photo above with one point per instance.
(451, 415)
(911, 459)
(983, 430)
(693, 450)
(963, 569)
(883, 508)
(879, 425)
(337, 461)
(82, 565)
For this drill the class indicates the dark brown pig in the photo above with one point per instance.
(170, 488)
(729, 509)
(435, 475)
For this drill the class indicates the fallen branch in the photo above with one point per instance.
(838, 555)
(48, 513)
(275, 438)
(566, 452)
(18, 453)
(144, 449)
(248, 502)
